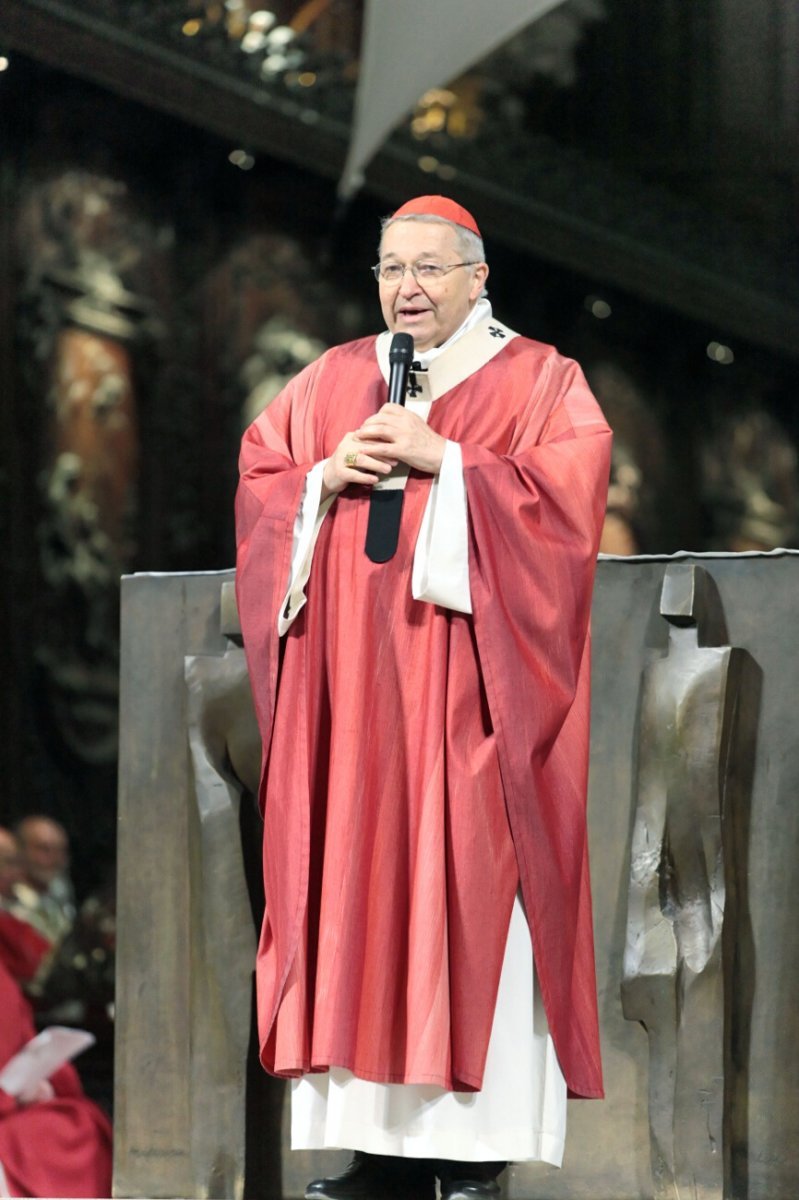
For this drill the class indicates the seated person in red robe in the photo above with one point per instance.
(56, 1142)
(23, 950)
(425, 970)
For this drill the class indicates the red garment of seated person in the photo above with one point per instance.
(55, 1147)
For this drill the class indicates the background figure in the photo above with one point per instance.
(637, 492)
(749, 482)
(280, 351)
(69, 981)
(23, 950)
(44, 897)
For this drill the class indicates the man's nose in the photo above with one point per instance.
(409, 284)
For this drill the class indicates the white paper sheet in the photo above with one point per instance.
(43, 1055)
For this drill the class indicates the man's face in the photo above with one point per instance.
(45, 851)
(10, 863)
(429, 312)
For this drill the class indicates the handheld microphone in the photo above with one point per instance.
(400, 357)
(385, 505)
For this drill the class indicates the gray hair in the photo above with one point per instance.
(470, 244)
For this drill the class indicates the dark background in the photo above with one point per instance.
(643, 180)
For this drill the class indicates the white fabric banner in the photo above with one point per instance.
(410, 46)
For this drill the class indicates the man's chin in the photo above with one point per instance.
(417, 327)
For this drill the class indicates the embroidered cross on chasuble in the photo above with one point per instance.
(385, 506)
(414, 388)
(425, 385)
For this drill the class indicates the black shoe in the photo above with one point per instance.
(469, 1181)
(377, 1177)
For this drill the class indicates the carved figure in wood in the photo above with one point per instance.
(674, 965)
(82, 252)
(225, 749)
(280, 352)
(750, 482)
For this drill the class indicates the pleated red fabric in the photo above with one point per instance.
(22, 948)
(419, 763)
(58, 1147)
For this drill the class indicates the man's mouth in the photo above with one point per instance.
(410, 311)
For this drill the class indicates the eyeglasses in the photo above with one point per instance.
(423, 272)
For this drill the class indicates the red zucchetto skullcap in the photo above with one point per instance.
(438, 206)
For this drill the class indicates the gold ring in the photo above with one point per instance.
(350, 458)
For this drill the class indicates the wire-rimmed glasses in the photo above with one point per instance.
(423, 272)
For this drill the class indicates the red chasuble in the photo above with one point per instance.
(22, 948)
(58, 1147)
(420, 763)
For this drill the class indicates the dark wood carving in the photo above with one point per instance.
(750, 482)
(81, 252)
(85, 533)
(225, 755)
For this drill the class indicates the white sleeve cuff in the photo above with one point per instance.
(307, 523)
(441, 560)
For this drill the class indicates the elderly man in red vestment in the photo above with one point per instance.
(425, 968)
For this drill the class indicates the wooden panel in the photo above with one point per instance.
(180, 1077)
(177, 1110)
(153, 1047)
(607, 1146)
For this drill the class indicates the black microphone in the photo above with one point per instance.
(385, 505)
(400, 356)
